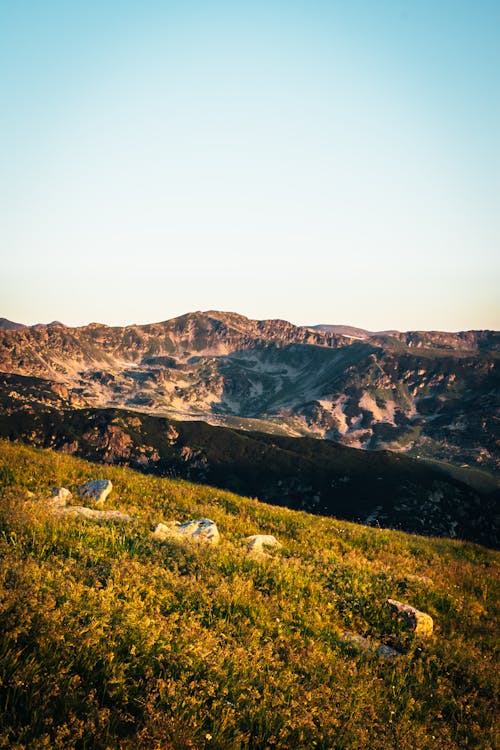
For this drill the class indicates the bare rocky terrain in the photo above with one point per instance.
(427, 394)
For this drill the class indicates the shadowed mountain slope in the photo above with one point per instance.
(319, 476)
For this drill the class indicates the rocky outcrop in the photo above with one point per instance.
(421, 623)
(97, 490)
(113, 443)
(201, 530)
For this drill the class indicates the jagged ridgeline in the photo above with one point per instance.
(336, 636)
(429, 394)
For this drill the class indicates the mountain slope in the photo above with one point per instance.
(377, 487)
(110, 639)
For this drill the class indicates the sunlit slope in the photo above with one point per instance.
(111, 639)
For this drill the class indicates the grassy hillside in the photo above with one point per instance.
(110, 639)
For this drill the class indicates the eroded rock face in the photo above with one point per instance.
(201, 530)
(60, 497)
(257, 542)
(112, 443)
(96, 490)
(420, 622)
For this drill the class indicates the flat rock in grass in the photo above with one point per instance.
(372, 646)
(420, 622)
(97, 490)
(60, 497)
(200, 530)
(257, 542)
(96, 515)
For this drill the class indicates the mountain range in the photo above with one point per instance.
(143, 394)
(431, 394)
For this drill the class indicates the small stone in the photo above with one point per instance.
(200, 530)
(97, 490)
(420, 622)
(257, 542)
(60, 497)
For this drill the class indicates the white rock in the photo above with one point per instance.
(257, 542)
(60, 497)
(97, 490)
(200, 530)
(420, 622)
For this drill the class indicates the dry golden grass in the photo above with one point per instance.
(110, 639)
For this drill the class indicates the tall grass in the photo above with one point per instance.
(110, 639)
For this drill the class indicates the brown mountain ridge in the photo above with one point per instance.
(429, 394)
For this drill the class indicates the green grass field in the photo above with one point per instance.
(110, 639)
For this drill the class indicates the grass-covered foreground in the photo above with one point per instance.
(111, 639)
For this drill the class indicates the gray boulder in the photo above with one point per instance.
(97, 490)
(369, 645)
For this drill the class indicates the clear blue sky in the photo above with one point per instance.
(333, 162)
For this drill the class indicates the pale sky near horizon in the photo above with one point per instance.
(321, 162)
